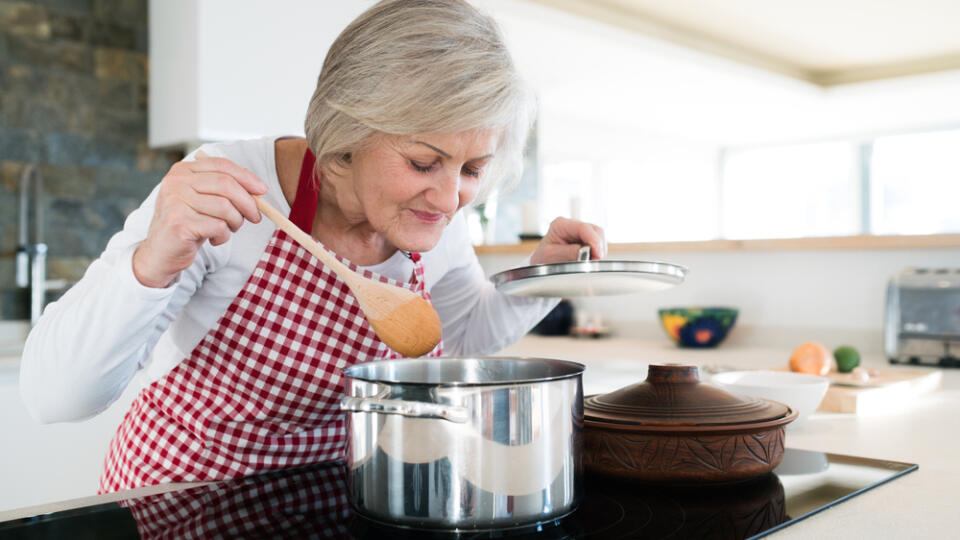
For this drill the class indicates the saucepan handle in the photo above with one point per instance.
(416, 409)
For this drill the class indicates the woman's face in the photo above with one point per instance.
(409, 187)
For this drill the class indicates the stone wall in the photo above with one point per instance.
(73, 75)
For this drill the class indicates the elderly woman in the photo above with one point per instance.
(241, 334)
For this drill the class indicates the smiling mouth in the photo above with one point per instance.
(428, 217)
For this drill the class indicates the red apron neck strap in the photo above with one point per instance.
(304, 205)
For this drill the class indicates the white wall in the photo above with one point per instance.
(784, 297)
(47, 463)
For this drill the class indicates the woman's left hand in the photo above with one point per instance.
(565, 238)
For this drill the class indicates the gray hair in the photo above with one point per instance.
(405, 67)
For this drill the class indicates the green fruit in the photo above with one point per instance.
(847, 358)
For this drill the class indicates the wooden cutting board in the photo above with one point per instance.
(889, 390)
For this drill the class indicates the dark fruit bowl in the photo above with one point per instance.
(699, 327)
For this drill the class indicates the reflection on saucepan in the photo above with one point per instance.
(480, 452)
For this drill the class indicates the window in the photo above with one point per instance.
(566, 185)
(915, 184)
(661, 192)
(653, 190)
(792, 191)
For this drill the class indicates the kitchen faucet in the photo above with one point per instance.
(32, 258)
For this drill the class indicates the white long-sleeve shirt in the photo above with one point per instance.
(89, 345)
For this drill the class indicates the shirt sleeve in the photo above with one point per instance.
(477, 319)
(88, 345)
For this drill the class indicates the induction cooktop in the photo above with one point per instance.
(311, 502)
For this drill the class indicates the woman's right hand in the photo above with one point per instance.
(206, 199)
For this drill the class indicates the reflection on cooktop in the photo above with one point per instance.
(312, 503)
(611, 511)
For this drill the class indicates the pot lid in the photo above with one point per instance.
(585, 278)
(672, 398)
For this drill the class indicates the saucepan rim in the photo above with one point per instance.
(553, 370)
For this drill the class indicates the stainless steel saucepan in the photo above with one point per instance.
(464, 443)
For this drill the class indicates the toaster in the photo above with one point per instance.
(922, 320)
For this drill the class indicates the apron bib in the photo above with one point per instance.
(262, 389)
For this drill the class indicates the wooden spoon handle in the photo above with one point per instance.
(306, 241)
(302, 238)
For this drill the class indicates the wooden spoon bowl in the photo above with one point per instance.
(402, 319)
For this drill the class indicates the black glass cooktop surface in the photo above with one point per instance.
(311, 502)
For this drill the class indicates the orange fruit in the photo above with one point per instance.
(811, 357)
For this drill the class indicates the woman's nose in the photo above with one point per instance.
(445, 195)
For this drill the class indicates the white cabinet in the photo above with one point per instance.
(47, 463)
(232, 69)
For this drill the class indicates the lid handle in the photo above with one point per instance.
(673, 373)
(583, 254)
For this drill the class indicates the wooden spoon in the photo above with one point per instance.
(402, 319)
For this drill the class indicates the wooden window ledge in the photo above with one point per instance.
(926, 241)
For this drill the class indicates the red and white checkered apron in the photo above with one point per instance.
(262, 389)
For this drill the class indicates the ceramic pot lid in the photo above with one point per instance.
(673, 399)
(585, 278)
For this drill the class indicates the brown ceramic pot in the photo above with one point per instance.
(671, 428)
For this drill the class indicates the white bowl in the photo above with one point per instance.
(800, 391)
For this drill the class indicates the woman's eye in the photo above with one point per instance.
(472, 171)
(419, 167)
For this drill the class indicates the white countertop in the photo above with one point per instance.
(920, 504)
